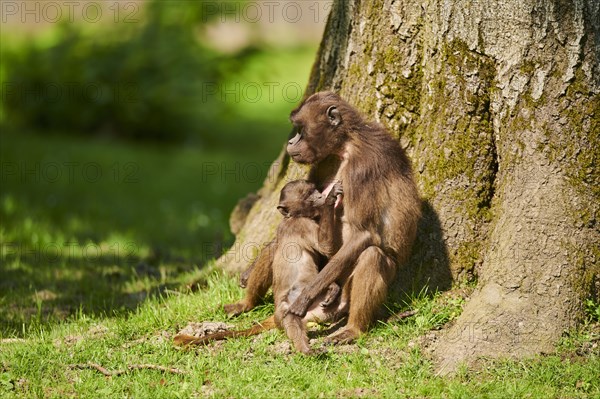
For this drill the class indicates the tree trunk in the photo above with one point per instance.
(498, 105)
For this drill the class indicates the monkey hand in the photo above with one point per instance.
(245, 276)
(300, 305)
(335, 192)
(236, 309)
(333, 292)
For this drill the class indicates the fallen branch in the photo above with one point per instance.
(402, 315)
(108, 373)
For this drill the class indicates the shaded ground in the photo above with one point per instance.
(97, 226)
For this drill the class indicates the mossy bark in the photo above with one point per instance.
(498, 105)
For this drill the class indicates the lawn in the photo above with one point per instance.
(95, 225)
(106, 251)
(105, 270)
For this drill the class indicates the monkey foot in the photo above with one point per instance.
(235, 309)
(305, 350)
(345, 335)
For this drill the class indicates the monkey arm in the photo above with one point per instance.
(339, 268)
(326, 242)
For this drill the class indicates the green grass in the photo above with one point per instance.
(105, 269)
(385, 363)
(97, 225)
(121, 306)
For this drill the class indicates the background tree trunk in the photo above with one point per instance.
(498, 106)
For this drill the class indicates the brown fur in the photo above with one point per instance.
(381, 207)
(258, 278)
(381, 204)
(307, 233)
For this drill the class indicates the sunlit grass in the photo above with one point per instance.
(384, 363)
(97, 226)
(100, 225)
(105, 268)
(106, 272)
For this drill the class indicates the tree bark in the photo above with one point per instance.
(498, 105)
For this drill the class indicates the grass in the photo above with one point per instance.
(105, 252)
(98, 226)
(385, 363)
(95, 226)
(73, 291)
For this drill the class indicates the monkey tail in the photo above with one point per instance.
(185, 340)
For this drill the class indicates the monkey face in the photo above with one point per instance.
(297, 199)
(318, 129)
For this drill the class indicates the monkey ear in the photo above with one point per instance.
(334, 115)
(284, 211)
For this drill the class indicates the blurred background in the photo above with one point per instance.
(129, 130)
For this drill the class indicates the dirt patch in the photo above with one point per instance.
(281, 349)
(205, 328)
(44, 295)
(95, 332)
(156, 340)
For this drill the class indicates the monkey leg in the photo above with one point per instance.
(374, 271)
(259, 281)
(339, 268)
(295, 329)
(294, 326)
(266, 255)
